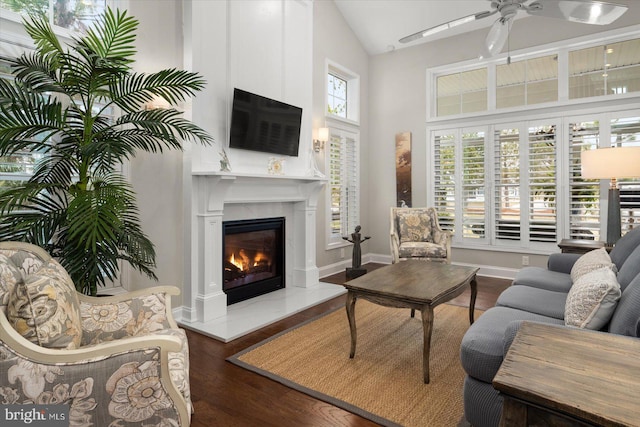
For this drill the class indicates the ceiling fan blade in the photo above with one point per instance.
(583, 11)
(446, 26)
(497, 37)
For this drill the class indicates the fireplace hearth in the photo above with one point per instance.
(253, 257)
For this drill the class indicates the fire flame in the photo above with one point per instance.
(243, 262)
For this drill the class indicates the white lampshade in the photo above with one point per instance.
(607, 163)
(323, 134)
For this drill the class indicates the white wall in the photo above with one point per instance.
(333, 40)
(397, 98)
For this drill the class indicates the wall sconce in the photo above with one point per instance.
(322, 136)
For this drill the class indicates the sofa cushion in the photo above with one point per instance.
(592, 299)
(9, 277)
(592, 260)
(625, 246)
(630, 269)
(414, 226)
(45, 309)
(626, 318)
(535, 300)
(26, 257)
(481, 351)
(542, 278)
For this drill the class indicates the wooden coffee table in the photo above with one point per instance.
(418, 285)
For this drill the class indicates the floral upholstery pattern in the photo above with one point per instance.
(416, 233)
(414, 226)
(130, 365)
(44, 308)
(9, 277)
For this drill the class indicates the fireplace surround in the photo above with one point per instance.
(217, 197)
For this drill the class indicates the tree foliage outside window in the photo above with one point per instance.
(74, 15)
(337, 96)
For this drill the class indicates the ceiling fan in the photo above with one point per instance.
(583, 11)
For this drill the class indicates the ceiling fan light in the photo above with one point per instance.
(496, 38)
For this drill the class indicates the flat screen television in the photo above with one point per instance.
(262, 124)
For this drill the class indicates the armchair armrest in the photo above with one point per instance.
(102, 384)
(135, 313)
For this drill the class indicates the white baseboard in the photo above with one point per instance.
(485, 270)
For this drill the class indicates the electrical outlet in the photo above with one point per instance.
(342, 253)
(525, 260)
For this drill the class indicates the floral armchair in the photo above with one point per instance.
(416, 234)
(114, 361)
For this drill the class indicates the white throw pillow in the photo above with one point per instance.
(592, 260)
(592, 299)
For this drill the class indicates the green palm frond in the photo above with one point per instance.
(174, 86)
(113, 37)
(45, 39)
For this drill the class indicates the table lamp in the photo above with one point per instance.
(612, 163)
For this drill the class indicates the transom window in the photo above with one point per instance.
(337, 96)
(611, 69)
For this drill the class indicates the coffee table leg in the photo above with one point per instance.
(351, 315)
(427, 325)
(472, 303)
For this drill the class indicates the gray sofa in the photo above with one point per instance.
(538, 294)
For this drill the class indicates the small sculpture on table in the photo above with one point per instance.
(356, 258)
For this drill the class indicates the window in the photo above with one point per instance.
(526, 82)
(337, 94)
(343, 94)
(584, 196)
(605, 70)
(464, 92)
(17, 168)
(577, 73)
(74, 15)
(445, 179)
(344, 184)
(500, 190)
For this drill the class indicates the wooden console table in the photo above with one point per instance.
(555, 376)
(580, 246)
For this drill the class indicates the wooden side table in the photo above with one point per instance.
(580, 246)
(555, 376)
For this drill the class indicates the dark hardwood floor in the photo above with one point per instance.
(224, 394)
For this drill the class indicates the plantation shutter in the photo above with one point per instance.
(542, 184)
(344, 183)
(507, 184)
(584, 196)
(444, 178)
(473, 185)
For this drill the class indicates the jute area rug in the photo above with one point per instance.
(384, 381)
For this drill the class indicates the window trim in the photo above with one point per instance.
(353, 93)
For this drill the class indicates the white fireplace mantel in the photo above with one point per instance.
(223, 196)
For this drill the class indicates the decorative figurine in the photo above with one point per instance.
(356, 257)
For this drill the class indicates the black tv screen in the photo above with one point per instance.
(262, 124)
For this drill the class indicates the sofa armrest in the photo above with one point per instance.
(135, 313)
(562, 262)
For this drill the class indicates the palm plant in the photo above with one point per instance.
(76, 204)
